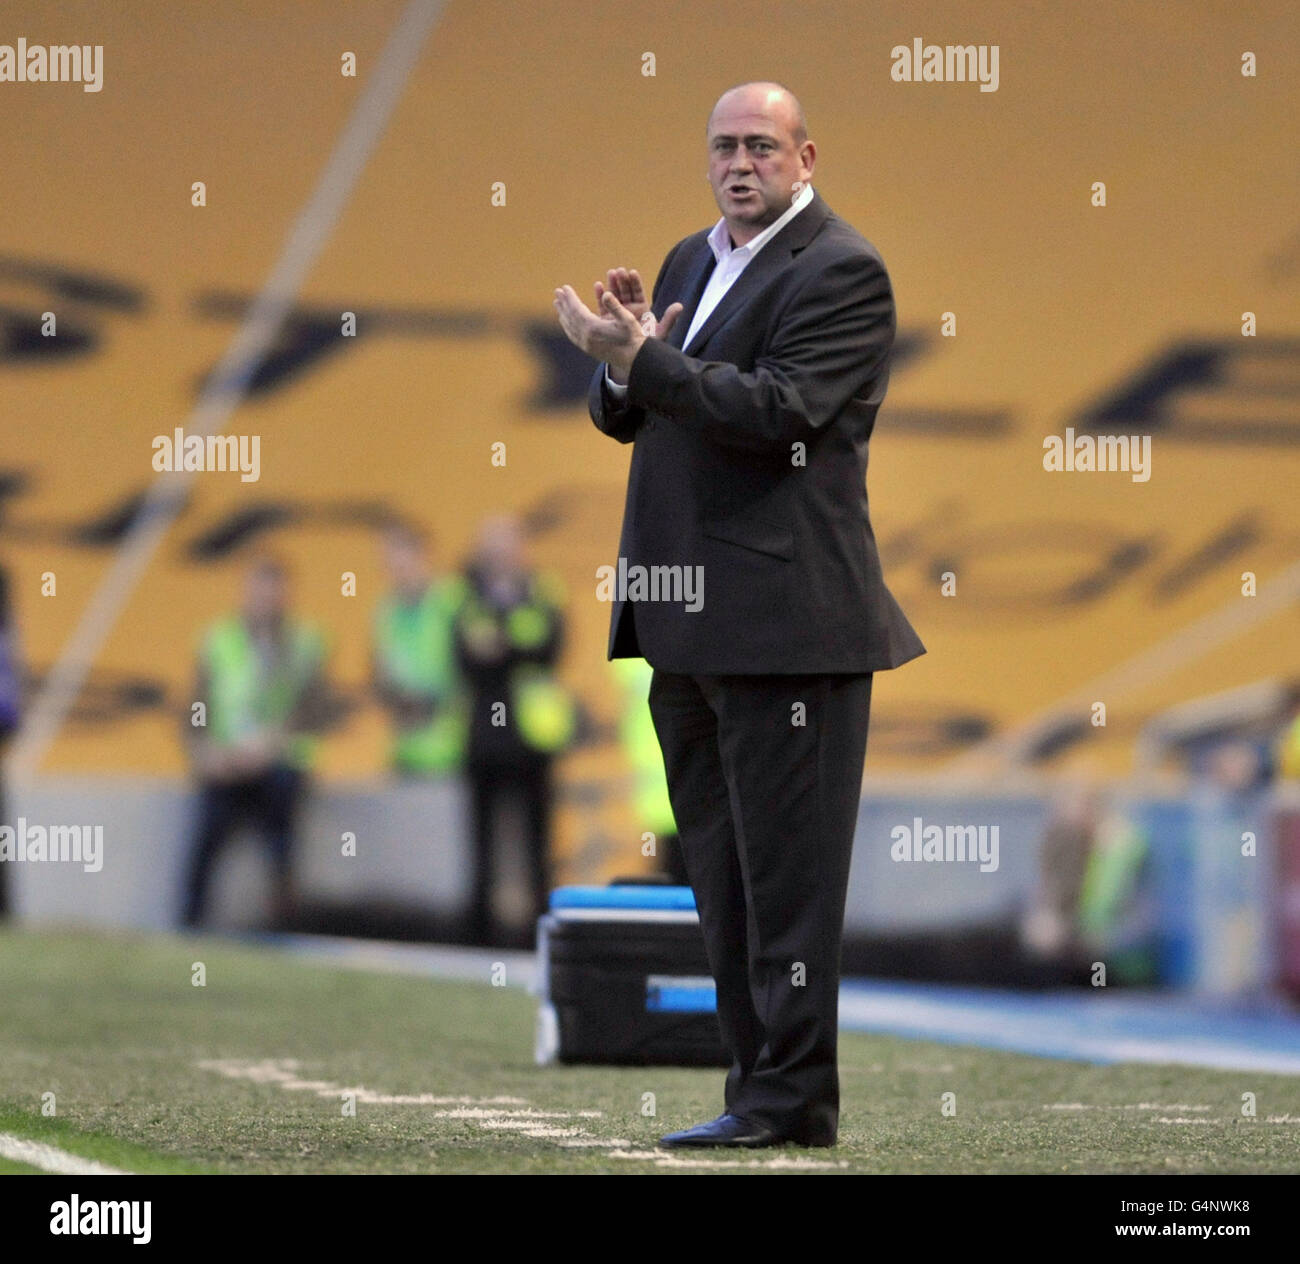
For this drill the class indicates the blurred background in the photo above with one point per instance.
(1112, 690)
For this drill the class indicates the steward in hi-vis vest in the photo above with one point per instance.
(413, 661)
(509, 631)
(506, 653)
(260, 702)
(256, 688)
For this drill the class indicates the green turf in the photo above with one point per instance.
(113, 1026)
(101, 1145)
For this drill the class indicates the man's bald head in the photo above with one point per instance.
(760, 156)
(771, 98)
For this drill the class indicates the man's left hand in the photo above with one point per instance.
(614, 336)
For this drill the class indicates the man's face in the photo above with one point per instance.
(754, 160)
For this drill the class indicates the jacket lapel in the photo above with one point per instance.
(771, 259)
(691, 294)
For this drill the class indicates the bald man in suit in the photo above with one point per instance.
(749, 389)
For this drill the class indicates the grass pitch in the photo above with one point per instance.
(253, 1072)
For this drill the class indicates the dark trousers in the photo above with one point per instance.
(672, 864)
(270, 804)
(766, 808)
(493, 786)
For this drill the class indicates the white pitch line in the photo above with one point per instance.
(368, 1097)
(525, 1120)
(501, 1114)
(282, 1072)
(226, 387)
(51, 1159)
(523, 1116)
(1123, 1106)
(530, 1130)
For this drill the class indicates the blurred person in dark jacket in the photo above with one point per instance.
(509, 633)
(261, 681)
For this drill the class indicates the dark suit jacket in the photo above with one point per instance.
(750, 461)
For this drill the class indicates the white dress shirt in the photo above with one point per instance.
(731, 262)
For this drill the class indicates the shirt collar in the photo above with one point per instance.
(720, 239)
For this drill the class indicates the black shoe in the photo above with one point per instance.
(729, 1131)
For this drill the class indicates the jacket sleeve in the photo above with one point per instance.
(830, 343)
(619, 418)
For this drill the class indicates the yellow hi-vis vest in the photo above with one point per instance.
(243, 700)
(544, 711)
(415, 647)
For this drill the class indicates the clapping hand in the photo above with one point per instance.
(624, 322)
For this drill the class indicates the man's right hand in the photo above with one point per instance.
(626, 286)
